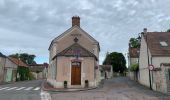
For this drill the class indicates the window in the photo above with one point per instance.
(163, 43)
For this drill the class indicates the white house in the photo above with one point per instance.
(155, 52)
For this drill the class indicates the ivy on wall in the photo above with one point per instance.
(134, 67)
(24, 74)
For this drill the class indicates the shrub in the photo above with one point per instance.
(134, 67)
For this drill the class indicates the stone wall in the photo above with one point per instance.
(161, 79)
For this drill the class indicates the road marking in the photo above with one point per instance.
(12, 88)
(37, 88)
(45, 95)
(4, 88)
(20, 88)
(29, 88)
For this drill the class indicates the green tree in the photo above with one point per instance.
(117, 60)
(134, 42)
(25, 57)
(168, 30)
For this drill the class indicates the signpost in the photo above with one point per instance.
(151, 67)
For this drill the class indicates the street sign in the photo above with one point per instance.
(151, 67)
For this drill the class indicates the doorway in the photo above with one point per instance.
(76, 73)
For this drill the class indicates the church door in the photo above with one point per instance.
(76, 73)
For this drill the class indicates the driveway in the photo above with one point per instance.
(119, 88)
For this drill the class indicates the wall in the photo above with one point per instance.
(161, 81)
(156, 61)
(68, 40)
(64, 71)
(143, 63)
(2, 65)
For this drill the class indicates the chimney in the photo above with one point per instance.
(75, 21)
(145, 30)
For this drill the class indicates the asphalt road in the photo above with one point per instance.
(118, 88)
(28, 90)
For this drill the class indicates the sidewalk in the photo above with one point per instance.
(47, 87)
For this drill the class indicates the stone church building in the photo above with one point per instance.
(74, 58)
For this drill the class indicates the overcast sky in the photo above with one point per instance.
(30, 25)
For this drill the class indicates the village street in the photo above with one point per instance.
(28, 90)
(120, 88)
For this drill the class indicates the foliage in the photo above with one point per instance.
(134, 67)
(117, 60)
(168, 30)
(26, 58)
(134, 42)
(23, 73)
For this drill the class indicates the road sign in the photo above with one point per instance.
(151, 67)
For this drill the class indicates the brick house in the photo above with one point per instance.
(155, 52)
(73, 57)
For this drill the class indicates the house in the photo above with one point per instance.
(8, 69)
(74, 58)
(154, 60)
(133, 58)
(17, 73)
(106, 71)
(2, 66)
(39, 70)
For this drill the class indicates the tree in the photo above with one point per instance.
(168, 30)
(117, 60)
(24, 57)
(134, 42)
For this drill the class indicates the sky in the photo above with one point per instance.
(30, 25)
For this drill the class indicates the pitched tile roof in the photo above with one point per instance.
(76, 49)
(154, 39)
(133, 52)
(37, 67)
(18, 62)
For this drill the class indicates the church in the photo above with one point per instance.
(74, 59)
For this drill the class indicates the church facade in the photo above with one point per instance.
(74, 58)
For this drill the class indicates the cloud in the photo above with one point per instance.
(30, 25)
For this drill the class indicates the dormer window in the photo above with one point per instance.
(163, 44)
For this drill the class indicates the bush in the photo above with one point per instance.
(134, 67)
(31, 76)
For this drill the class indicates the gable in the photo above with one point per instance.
(75, 32)
(75, 50)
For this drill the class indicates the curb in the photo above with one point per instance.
(66, 90)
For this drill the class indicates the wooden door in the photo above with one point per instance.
(76, 73)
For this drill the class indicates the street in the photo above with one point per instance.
(28, 90)
(120, 88)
